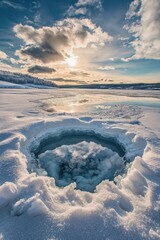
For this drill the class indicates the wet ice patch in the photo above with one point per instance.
(85, 163)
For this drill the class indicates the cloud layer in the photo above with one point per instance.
(81, 3)
(40, 69)
(12, 4)
(3, 55)
(106, 68)
(57, 43)
(145, 28)
(82, 7)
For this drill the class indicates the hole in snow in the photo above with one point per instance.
(86, 158)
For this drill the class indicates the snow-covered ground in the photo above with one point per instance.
(34, 205)
(7, 85)
(26, 85)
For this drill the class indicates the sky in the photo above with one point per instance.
(81, 41)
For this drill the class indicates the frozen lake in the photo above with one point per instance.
(79, 163)
(76, 100)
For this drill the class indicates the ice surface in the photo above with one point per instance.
(86, 164)
(32, 206)
(73, 136)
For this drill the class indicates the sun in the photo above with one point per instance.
(71, 61)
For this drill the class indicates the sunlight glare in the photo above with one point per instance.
(71, 61)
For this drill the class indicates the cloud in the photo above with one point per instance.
(12, 4)
(45, 53)
(3, 55)
(133, 9)
(96, 3)
(82, 7)
(111, 59)
(13, 61)
(4, 66)
(57, 43)
(123, 38)
(106, 68)
(144, 17)
(79, 73)
(40, 69)
(72, 11)
(125, 59)
(64, 81)
(110, 80)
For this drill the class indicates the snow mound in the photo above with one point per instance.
(8, 191)
(127, 209)
(33, 206)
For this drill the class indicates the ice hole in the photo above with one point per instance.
(86, 158)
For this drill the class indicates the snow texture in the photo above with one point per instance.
(33, 206)
(86, 164)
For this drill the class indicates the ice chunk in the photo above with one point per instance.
(85, 163)
(7, 192)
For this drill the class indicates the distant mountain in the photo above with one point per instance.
(24, 79)
(138, 86)
(30, 81)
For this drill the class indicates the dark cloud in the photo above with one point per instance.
(102, 80)
(63, 80)
(40, 69)
(50, 44)
(43, 53)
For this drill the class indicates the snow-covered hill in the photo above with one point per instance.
(18, 78)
